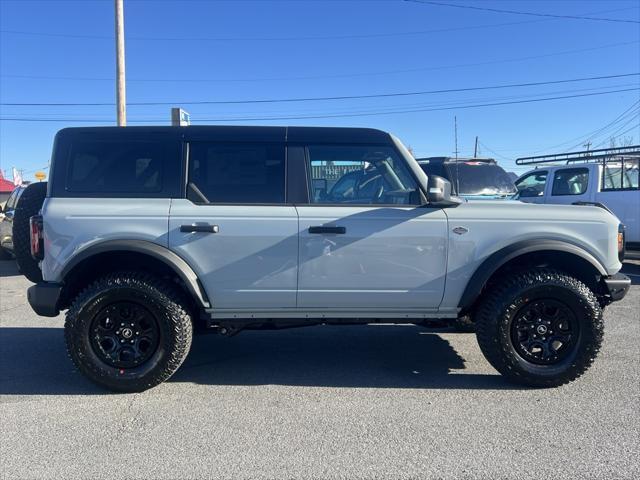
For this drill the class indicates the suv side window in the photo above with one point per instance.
(236, 173)
(359, 175)
(532, 185)
(570, 181)
(119, 167)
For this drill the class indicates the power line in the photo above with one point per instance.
(301, 117)
(285, 38)
(339, 75)
(334, 98)
(515, 12)
(346, 108)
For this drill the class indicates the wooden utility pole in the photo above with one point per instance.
(475, 150)
(121, 95)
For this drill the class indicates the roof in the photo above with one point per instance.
(243, 133)
(453, 159)
(6, 186)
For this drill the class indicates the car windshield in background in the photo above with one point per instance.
(475, 178)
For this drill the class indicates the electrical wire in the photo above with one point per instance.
(317, 99)
(516, 12)
(285, 38)
(318, 77)
(300, 117)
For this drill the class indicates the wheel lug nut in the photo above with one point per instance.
(122, 340)
(131, 341)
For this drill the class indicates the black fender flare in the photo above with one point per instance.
(169, 258)
(497, 259)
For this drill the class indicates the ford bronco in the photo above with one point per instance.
(147, 234)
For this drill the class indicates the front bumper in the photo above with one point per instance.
(43, 298)
(616, 286)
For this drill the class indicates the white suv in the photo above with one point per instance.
(148, 232)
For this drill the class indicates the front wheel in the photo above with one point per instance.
(128, 331)
(541, 328)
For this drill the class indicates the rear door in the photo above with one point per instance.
(235, 227)
(569, 185)
(370, 246)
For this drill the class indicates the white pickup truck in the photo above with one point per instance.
(612, 184)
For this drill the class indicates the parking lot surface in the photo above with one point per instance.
(321, 402)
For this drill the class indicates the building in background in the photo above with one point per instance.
(6, 187)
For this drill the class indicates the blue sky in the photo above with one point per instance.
(182, 51)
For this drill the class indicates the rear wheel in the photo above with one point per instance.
(128, 331)
(29, 204)
(540, 328)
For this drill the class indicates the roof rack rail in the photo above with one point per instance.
(583, 156)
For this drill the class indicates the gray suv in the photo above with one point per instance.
(148, 234)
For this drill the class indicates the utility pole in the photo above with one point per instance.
(121, 95)
(455, 134)
(475, 150)
(587, 146)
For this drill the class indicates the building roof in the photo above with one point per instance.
(6, 186)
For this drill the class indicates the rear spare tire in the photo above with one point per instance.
(29, 204)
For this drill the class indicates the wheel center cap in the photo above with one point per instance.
(542, 329)
(127, 333)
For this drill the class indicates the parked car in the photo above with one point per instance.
(471, 178)
(6, 223)
(609, 184)
(149, 232)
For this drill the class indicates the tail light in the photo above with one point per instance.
(37, 241)
(621, 242)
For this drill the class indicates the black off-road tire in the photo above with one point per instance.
(161, 299)
(29, 204)
(500, 307)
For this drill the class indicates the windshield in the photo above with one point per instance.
(474, 178)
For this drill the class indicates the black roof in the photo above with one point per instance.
(242, 133)
(453, 159)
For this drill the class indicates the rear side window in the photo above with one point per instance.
(621, 175)
(570, 181)
(120, 167)
(236, 173)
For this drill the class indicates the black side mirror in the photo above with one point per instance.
(439, 192)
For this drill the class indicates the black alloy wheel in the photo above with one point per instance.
(545, 331)
(124, 334)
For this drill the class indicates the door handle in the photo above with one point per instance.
(199, 228)
(322, 229)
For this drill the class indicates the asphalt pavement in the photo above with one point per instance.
(320, 402)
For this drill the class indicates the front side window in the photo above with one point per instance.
(570, 181)
(236, 173)
(532, 185)
(360, 175)
(122, 167)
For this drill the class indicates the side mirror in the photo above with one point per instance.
(439, 192)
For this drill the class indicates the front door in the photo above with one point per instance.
(235, 228)
(365, 242)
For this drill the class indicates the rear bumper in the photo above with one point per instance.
(616, 286)
(43, 298)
